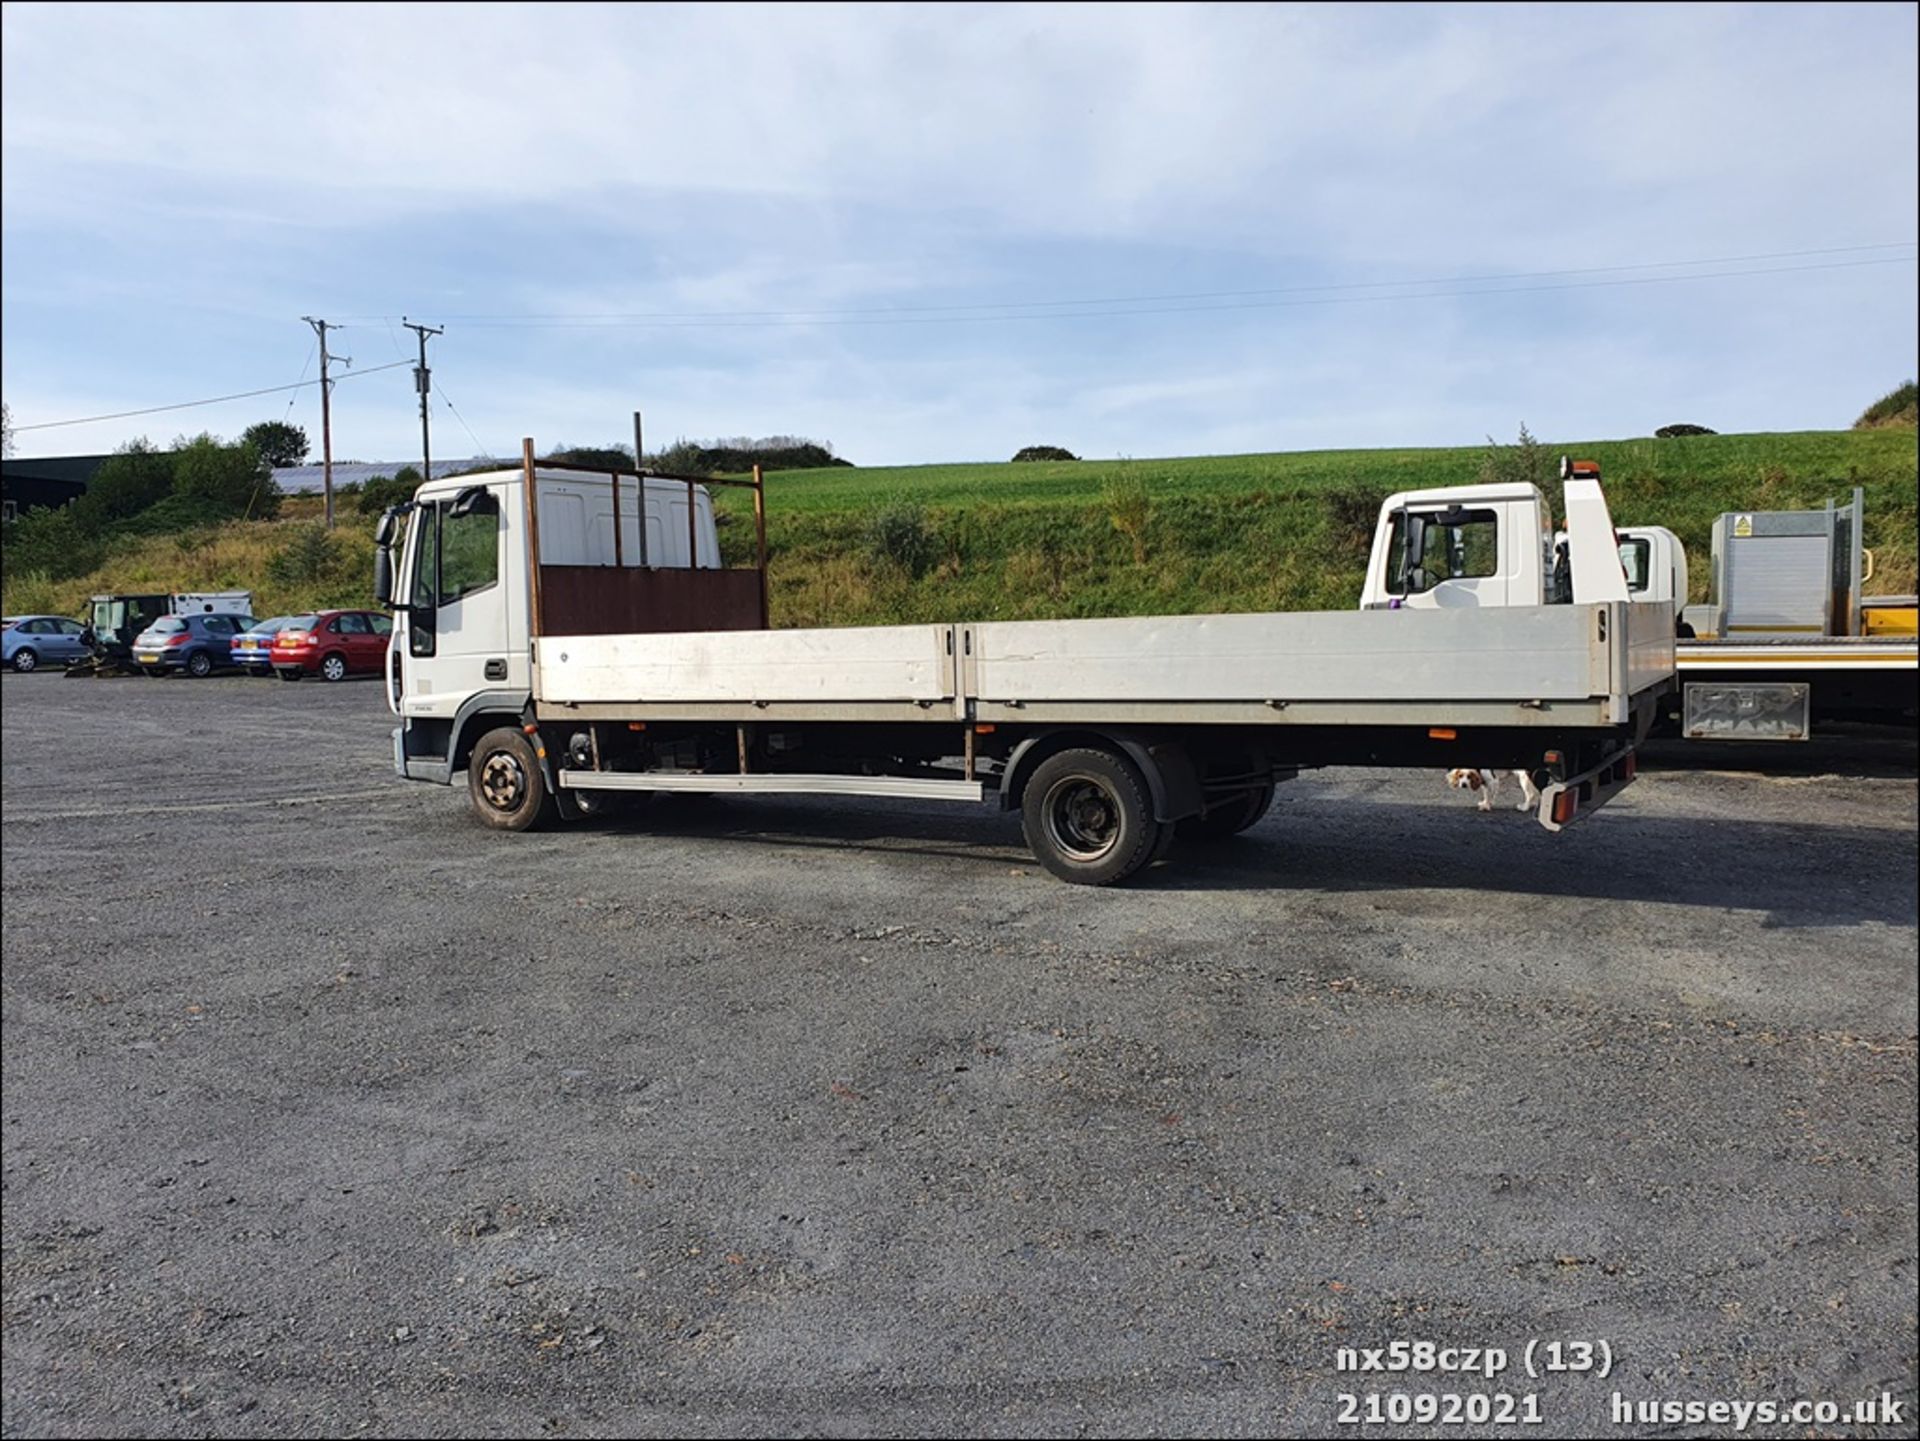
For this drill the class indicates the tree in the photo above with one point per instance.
(278, 443)
(6, 428)
(1670, 432)
(134, 478)
(1044, 452)
(232, 479)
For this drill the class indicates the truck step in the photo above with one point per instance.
(824, 785)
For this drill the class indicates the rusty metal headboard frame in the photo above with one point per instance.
(641, 475)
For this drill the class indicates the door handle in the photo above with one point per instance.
(496, 669)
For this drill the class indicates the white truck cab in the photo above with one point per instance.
(1494, 545)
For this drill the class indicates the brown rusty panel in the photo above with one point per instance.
(605, 600)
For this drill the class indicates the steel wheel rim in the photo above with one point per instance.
(333, 668)
(1082, 818)
(503, 781)
(25, 661)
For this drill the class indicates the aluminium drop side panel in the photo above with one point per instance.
(1503, 654)
(872, 665)
(1650, 648)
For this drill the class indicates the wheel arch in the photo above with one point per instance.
(1164, 763)
(478, 714)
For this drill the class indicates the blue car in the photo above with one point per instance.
(32, 641)
(252, 649)
(194, 645)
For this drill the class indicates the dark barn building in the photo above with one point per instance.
(44, 484)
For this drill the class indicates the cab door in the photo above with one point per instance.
(456, 621)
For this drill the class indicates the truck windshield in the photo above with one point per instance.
(109, 615)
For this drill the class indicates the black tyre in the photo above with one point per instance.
(594, 805)
(505, 783)
(289, 675)
(199, 665)
(1229, 817)
(1089, 818)
(334, 667)
(26, 660)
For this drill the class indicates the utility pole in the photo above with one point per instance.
(320, 328)
(422, 382)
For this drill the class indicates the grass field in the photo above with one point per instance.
(998, 541)
(1286, 531)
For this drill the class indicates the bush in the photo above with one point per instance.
(1895, 408)
(382, 491)
(233, 478)
(133, 478)
(1526, 461)
(310, 556)
(1669, 432)
(742, 454)
(1130, 508)
(51, 543)
(900, 536)
(1043, 452)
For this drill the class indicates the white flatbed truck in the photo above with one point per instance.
(566, 639)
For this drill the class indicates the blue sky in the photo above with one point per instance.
(935, 234)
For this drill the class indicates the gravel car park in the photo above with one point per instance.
(782, 1115)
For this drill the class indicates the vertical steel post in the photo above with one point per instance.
(760, 545)
(533, 539)
(614, 481)
(640, 464)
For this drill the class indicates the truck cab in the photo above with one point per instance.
(1494, 545)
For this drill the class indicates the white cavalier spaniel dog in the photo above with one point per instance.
(1488, 784)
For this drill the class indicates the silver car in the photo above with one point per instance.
(32, 641)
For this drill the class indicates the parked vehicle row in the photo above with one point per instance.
(330, 644)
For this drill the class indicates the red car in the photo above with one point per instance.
(332, 644)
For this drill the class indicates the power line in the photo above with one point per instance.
(215, 400)
(691, 317)
(906, 319)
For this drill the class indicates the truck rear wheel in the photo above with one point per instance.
(1088, 817)
(1229, 817)
(505, 783)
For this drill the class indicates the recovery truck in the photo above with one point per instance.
(566, 638)
(1787, 636)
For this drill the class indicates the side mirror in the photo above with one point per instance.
(389, 523)
(383, 576)
(469, 500)
(1413, 547)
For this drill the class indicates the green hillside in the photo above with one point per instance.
(999, 541)
(1286, 531)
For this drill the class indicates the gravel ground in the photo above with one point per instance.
(327, 1111)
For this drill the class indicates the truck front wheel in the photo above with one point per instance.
(505, 783)
(1089, 818)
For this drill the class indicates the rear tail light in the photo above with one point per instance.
(1565, 806)
(180, 639)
